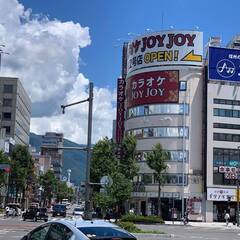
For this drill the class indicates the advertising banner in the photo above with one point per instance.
(165, 48)
(221, 194)
(120, 110)
(224, 64)
(153, 87)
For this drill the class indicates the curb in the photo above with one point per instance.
(154, 235)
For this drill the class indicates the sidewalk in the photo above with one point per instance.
(205, 224)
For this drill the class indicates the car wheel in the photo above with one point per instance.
(45, 220)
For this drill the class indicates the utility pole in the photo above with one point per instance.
(87, 213)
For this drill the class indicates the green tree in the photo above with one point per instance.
(128, 165)
(49, 182)
(63, 191)
(104, 161)
(156, 160)
(22, 170)
(3, 175)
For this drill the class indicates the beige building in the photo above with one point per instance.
(164, 92)
(15, 110)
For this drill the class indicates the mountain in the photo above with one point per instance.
(72, 159)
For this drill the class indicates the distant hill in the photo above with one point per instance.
(72, 159)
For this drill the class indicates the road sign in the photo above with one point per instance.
(106, 180)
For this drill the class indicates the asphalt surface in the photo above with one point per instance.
(15, 228)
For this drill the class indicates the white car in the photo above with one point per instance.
(79, 230)
(78, 211)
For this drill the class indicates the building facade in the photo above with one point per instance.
(52, 144)
(163, 104)
(222, 150)
(15, 109)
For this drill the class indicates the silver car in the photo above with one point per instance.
(78, 230)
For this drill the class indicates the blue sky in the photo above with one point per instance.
(48, 39)
(111, 20)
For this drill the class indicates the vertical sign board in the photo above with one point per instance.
(153, 87)
(120, 110)
(224, 64)
(165, 48)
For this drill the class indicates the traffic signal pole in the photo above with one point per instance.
(87, 213)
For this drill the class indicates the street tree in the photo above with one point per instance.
(120, 170)
(63, 191)
(22, 171)
(104, 161)
(156, 160)
(3, 176)
(48, 182)
(128, 165)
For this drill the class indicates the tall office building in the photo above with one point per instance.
(52, 143)
(15, 110)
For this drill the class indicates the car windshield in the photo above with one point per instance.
(105, 232)
(59, 207)
(78, 209)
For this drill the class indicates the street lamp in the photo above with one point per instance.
(87, 213)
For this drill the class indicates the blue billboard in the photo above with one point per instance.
(224, 64)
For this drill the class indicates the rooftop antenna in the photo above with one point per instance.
(2, 52)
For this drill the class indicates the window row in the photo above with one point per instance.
(155, 109)
(226, 101)
(6, 116)
(226, 157)
(170, 179)
(8, 88)
(220, 112)
(160, 132)
(226, 126)
(175, 155)
(226, 137)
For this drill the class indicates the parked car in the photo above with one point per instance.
(59, 210)
(79, 230)
(35, 214)
(78, 211)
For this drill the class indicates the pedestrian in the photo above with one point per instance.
(227, 217)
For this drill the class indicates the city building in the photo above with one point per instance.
(161, 94)
(15, 110)
(52, 144)
(222, 131)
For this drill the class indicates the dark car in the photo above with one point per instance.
(59, 210)
(36, 214)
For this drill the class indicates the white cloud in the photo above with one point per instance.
(44, 54)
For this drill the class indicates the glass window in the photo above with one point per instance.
(7, 102)
(215, 112)
(6, 116)
(147, 178)
(105, 232)
(39, 233)
(59, 232)
(235, 113)
(8, 129)
(8, 88)
(157, 109)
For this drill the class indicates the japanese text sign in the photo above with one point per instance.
(153, 87)
(164, 48)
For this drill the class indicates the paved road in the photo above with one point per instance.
(196, 233)
(15, 228)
